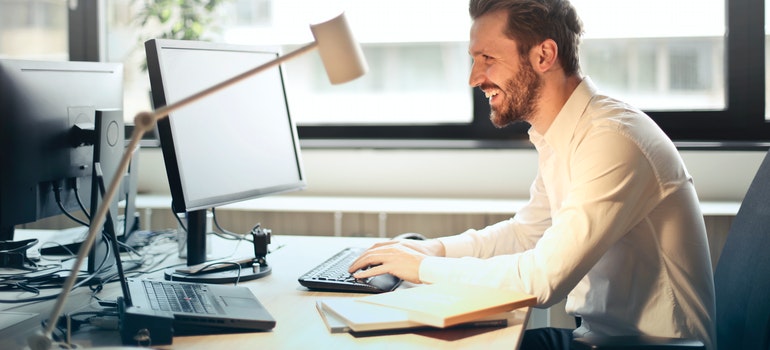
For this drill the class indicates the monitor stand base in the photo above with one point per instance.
(219, 277)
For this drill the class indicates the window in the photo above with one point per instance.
(675, 64)
(671, 74)
(33, 29)
(672, 58)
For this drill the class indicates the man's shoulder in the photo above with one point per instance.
(605, 113)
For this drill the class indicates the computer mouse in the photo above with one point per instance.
(411, 235)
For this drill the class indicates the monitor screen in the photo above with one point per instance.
(237, 144)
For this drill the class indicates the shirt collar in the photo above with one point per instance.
(563, 127)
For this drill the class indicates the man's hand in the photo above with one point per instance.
(399, 258)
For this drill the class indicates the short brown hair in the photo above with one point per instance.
(532, 21)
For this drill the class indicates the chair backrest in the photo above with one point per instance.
(742, 276)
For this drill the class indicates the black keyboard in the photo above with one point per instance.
(333, 275)
(178, 297)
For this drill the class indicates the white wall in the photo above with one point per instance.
(719, 175)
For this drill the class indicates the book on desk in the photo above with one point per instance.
(436, 306)
(347, 315)
(447, 304)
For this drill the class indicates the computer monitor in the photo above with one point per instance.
(237, 144)
(47, 167)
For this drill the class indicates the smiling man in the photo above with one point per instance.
(613, 223)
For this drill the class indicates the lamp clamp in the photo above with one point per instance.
(261, 238)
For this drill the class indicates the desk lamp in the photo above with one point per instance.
(343, 60)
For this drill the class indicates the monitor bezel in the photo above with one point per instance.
(155, 65)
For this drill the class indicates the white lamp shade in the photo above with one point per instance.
(341, 55)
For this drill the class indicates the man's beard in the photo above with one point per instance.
(521, 94)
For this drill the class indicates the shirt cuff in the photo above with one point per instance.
(458, 245)
(437, 269)
(442, 269)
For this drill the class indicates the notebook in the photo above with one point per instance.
(350, 315)
(447, 304)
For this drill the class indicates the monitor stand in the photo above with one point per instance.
(233, 275)
(6, 232)
(250, 269)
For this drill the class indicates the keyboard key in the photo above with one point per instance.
(179, 297)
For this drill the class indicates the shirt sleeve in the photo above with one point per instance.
(516, 234)
(467, 252)
(611, 187)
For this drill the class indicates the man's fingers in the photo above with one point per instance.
(382, 244)
(365, 259)
(372, 271)
(368, 258)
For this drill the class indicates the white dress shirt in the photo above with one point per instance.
(613, 224)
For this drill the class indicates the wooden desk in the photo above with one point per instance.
(299, 326)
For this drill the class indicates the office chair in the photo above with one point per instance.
(741, 280)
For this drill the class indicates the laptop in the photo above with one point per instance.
(197, 308)
(200, 308)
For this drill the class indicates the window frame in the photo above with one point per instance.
(86, 31)
(741, 125)
(743, 120)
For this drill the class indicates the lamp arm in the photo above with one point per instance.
(164, 111)
(43, 341)
(144, 121)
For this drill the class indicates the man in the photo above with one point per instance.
(613, 223)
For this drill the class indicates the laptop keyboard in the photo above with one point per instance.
(178, 297)
(333, 275)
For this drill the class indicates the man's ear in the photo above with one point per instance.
(545, 55)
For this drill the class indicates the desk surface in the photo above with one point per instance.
(299, 326)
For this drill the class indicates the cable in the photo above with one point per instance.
(129, 249)
(232, 235)
(204, 270)
(76, 185)
(57, 195)
(224, 234)
(62, 246)
(133, 271)
(40, 280)
(181, 224)
(40, 298)
(24, 275)
(85, 280)
(235, 236)
(155, 267)
(155, 258)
